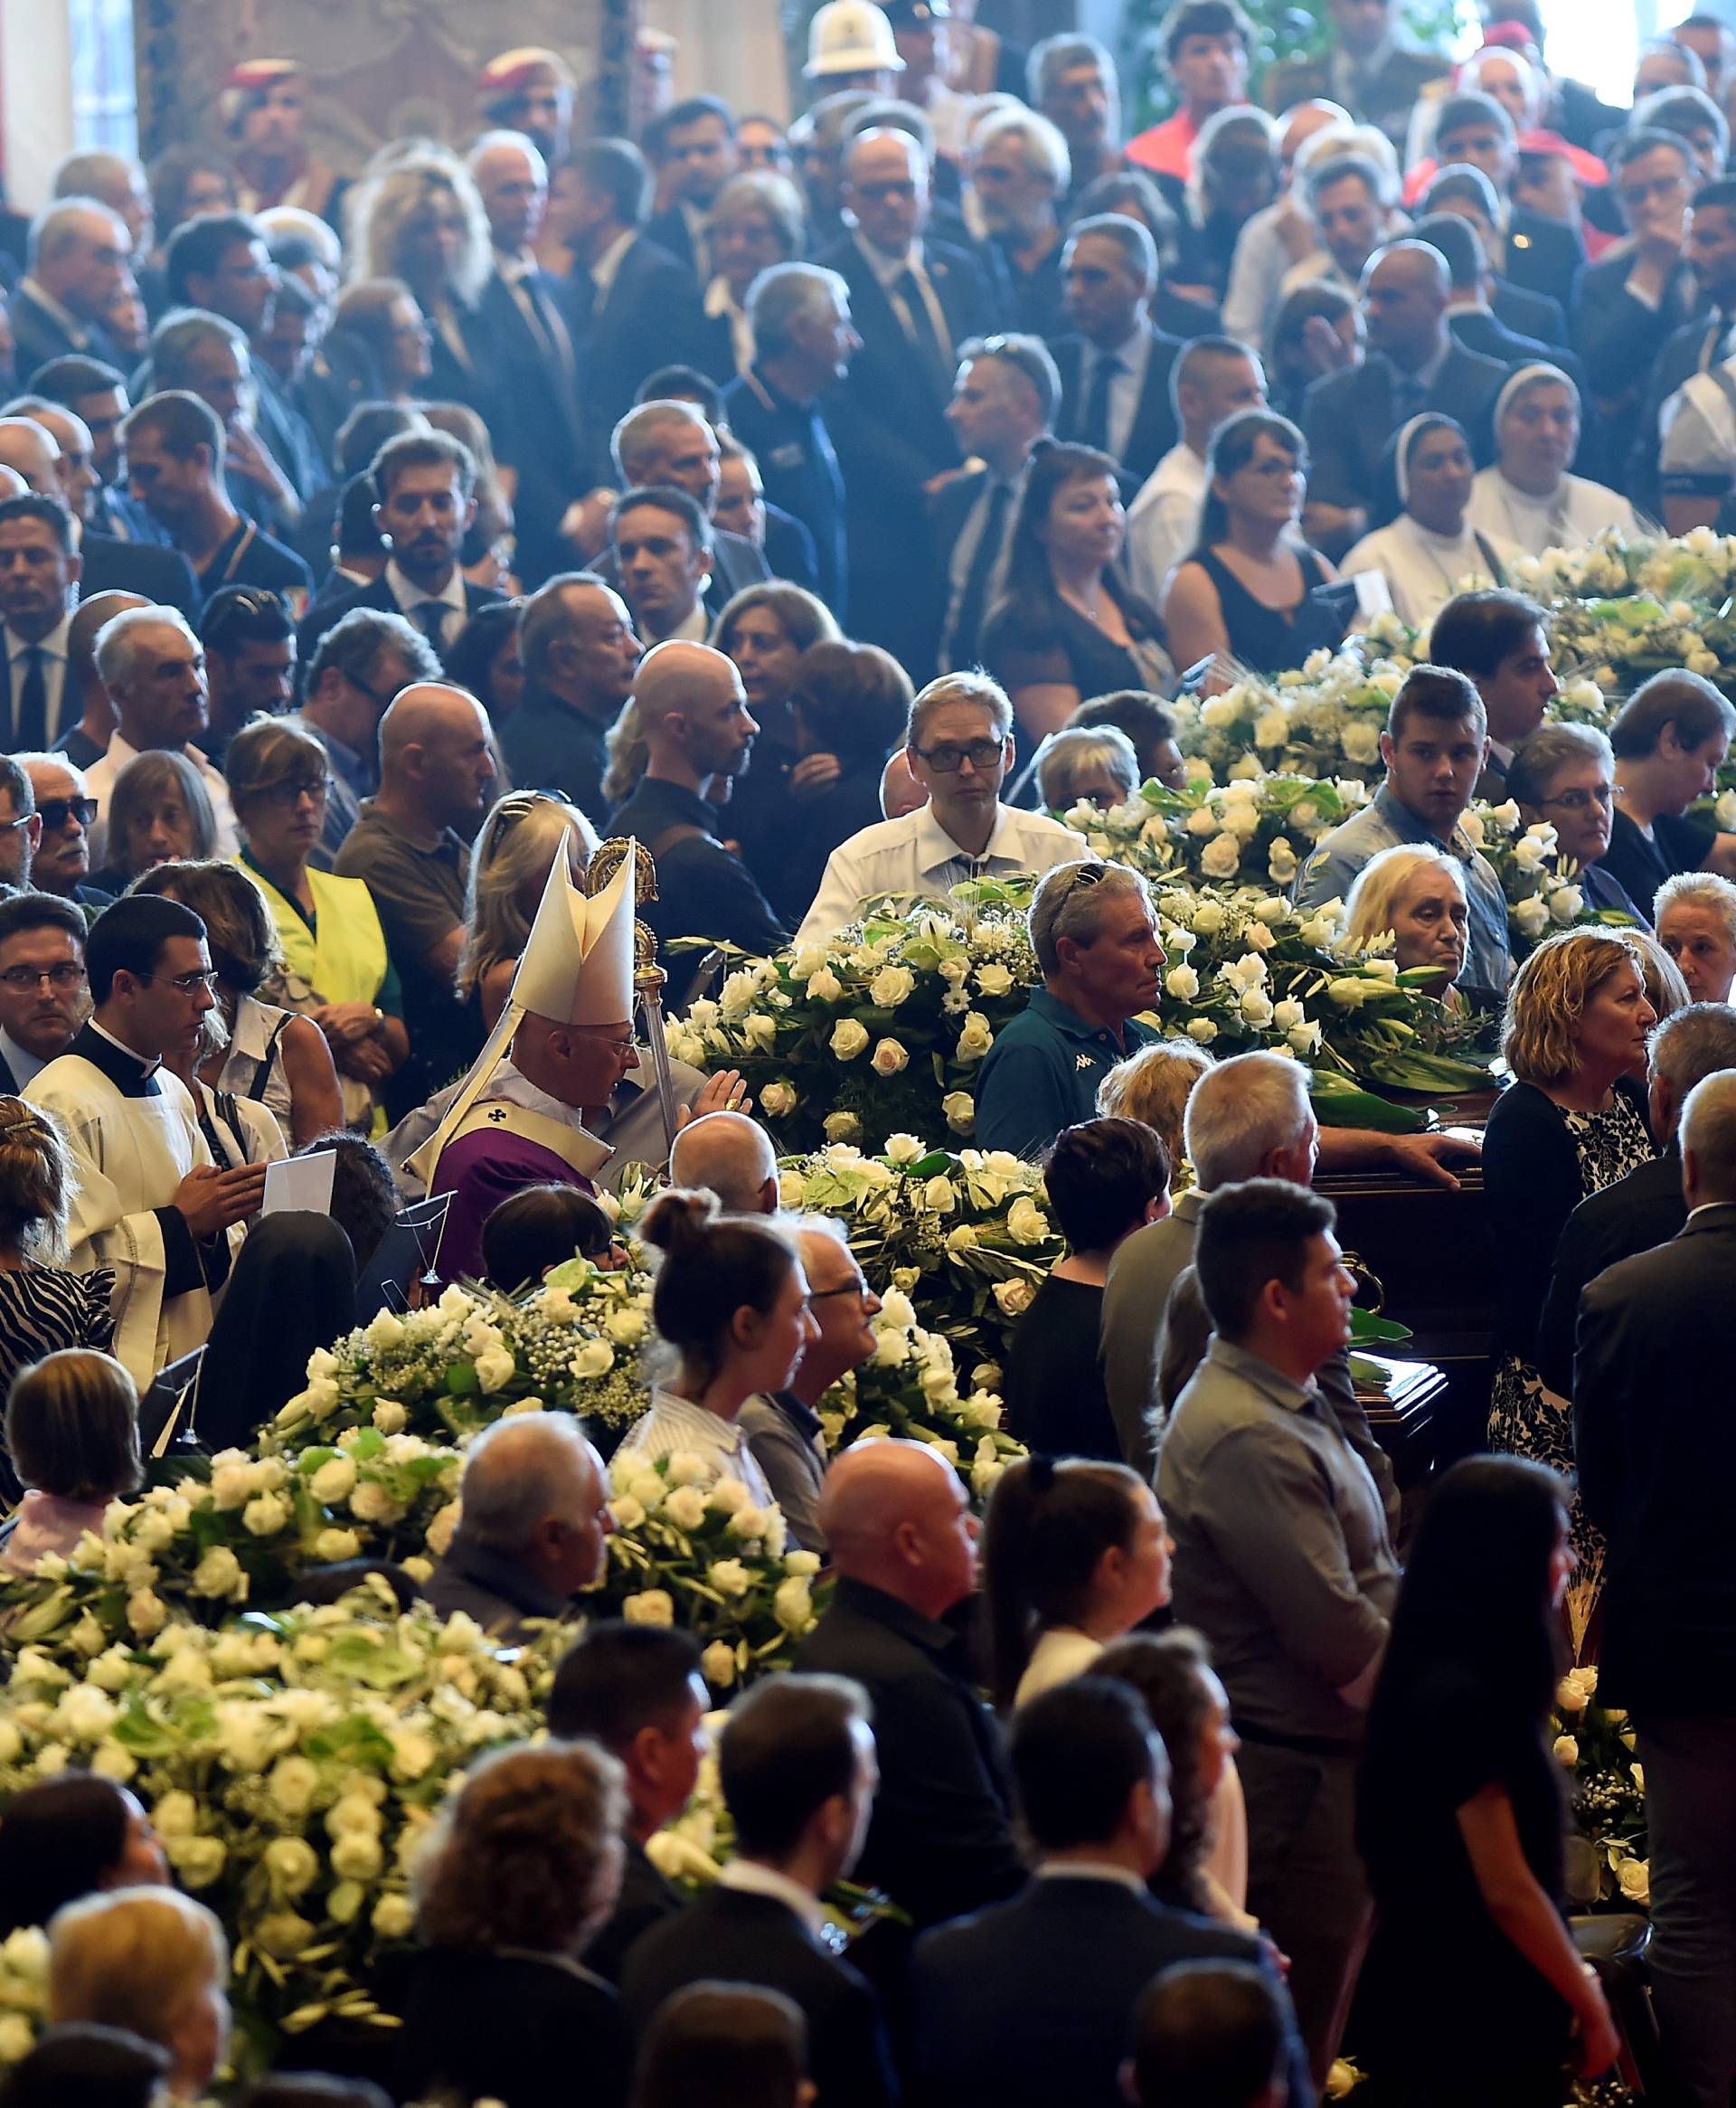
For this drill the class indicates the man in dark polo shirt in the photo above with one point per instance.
(409, 848)
(1096, 941)
(694, 714)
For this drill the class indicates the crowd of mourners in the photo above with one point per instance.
(825, 505)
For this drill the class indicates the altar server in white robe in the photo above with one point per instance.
(150, 1202)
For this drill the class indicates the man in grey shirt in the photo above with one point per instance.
(1284, 1561)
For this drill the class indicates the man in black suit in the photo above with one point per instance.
(1645, 1209)
(1655, 1446)
(39, 588)
(1632, 300)
(579, 653)
(632, 304)
(693, 145)
(96, 395)
(43, 987)
(1463, 192)
(636, 1690)
(1031, 2002)
(1004, 401)
(541, 436)
(1413, 364)
(425, 500)
(1698, 346)
(1541, 255)
(672, 443)
(797, 1768)
(905, 1547)
(1115, 393)
(77, 262)
(913, 301)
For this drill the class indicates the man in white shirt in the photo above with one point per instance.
(153, 668)
(960, 749)
(41, 984)
(1214, 377)
(39, 585)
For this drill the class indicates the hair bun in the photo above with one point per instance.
(680, 1216)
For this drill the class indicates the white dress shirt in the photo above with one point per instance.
(1164, 520)
(54, 650)
(915, 856)
(963, 554)
(889, 269)
(100, 784)
(409, 597)
(607, 266)
(750, 1877)
(674, 1424)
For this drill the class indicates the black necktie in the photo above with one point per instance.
(431, 620)
(1095, 429)
(965, 630)
(925, 339)
(584, 296)
(30, 734)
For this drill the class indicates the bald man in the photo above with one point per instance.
(1414, 363)
(693, 712)
(50, 449)
(410, 848)
(904, 1544)
(731, 1155)
(899, 791)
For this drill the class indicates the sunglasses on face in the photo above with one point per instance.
(57, 811)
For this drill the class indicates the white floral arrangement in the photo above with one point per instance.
(1596, 1745)
(199, 1548)
(465, 1361)
(1255, 830)
(23, 1990)
(1538, 882)
(705, 1557)
(1323, 720)
(292, 1766)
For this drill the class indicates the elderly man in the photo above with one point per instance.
(1284, 1561)
(535, 1527)
(61, 862)
(904, 1544)
(410, 847)
(1020, 170)
(960, 747)
(85, 740)
(153, 669)
(783, 1427)
(76, 262)
(667, 443)
(360, 664)
(42, 982)
(803, 346)
(693, 712)
(147, 1200)
(1072, 81)
(579, 653)
(731, 1155)
(1096, 941)
(1435, 745)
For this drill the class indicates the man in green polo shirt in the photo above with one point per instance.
(1096, 941)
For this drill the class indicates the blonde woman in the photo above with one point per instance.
(1570, 1123)
(1414, 895)
(1153, 1085)
(523, 834)
(153, 1963)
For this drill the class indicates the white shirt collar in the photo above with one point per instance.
(935, 848)
(410, 597)
(606, 267)
(694, 628)
(889, 269)
(52, 645)
(78, 331)
(1090, 1871)
(751, 1877)
(150, 1064)
(22, 1064)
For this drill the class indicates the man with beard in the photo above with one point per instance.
(693, 712)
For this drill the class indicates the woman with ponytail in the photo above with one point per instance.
(1074, 1555)
(730, 1300)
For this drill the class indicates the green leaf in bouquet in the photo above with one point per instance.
(370, 1660)
(1367, 1329)
(368, 1444)
(1338, 1101)
(1416, 1070)
(462, 1381)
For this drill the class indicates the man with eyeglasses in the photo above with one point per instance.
(67, 811)
(41, 984)
(960, 747)
(1629, 304)
(21, 825)
(148, 1202)
(1501, 640)
(358, 667)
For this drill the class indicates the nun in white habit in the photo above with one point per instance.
(1529, 496)
(1428, 550)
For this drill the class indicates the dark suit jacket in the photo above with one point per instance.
(1543, 256)
(941, 1839)
(510, 2026)
(1154, 429)
(1481, 330)
(790, 549)
(646, 1900)
(1030, 2004)
(669, 231)
(1637, 1214)
(541, 436)
(650, 318)
(1348, 418)
(1528, 314)
(550, 746)
(379, 597)
(1655, 1444)
(948, 514)
(1619, 337)
(41, 336)
(162, 575)
(742, 1938)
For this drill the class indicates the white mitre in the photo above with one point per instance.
(576, 968)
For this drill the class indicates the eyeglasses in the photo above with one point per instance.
(858, 1288)
(189, 984)
(12, 826)
(1582, 800)
(983, 754)
(24, 980)
(317, 788)
(57, 811)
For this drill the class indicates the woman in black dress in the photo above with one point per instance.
(1243, 593)
(1473, 1990)
(1067, 626)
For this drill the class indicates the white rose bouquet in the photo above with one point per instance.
(1256, 831)
(1596, 1743)
(1540, 882)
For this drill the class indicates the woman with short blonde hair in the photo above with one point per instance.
(1095, 764)
(1414, 894)
(509, 866)
(1154, 1084)
(152, 1961)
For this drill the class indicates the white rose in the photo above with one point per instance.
(995, 979)
(803, 1562)
(334, 1480)
(1530, 917)
(687, 1468)
(357, 1858)
(393, 1917)
(728, 1497)
(1027, 1223)
(292, 1785)
(1183, 983)
(1287, 1012)
(1362, 742)
(686, 1507)
(718, 1665)
(889, 1058)
(1014, 1297)
(595, 1358)
(1202, 1030)
(1348, 993)
(292, 1865)
(1207, 919)
(651, 1606)
(1565, 903)
(1567, 1750)
(849, 1039)
(1271, 728)
(891, 986)
(389, 1417)
(1634, 1877)
(1303, 1039)
(776, 1101)
(230, 1486)
(219, 1574)
(842, 1127)
(1221, 857)
(960, 1109)
(1281, 862)
(1257, 1008)
(792, 1604)
(729, 1577)
(937, 1195)
(902, 1149)
(975, 1039)
(332, 1547)
(264, 1516)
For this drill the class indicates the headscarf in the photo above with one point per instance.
(1522, 377)
(1391, 492)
